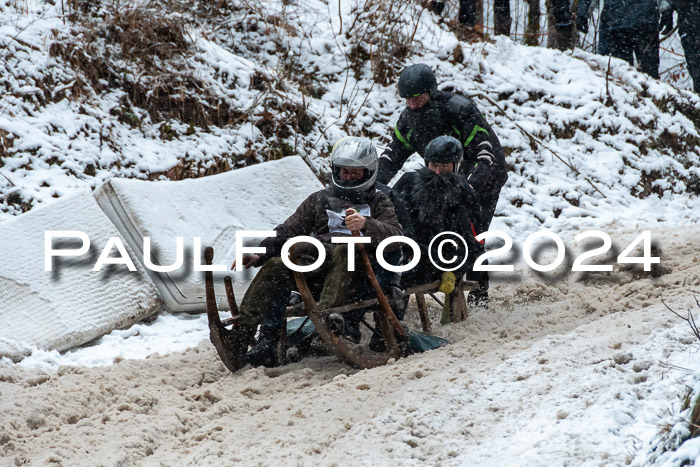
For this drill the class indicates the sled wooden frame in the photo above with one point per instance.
(231, 343)
(458, 305)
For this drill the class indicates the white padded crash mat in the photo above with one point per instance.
(213, 208)
(70, 305)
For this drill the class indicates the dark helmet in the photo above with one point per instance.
(443, 150)
(354, 152)
(416, 80)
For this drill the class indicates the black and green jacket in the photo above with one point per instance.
(454, 115)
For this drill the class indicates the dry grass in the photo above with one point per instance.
(669, 439)
(143, 49)
(381, 31)
(694, 422)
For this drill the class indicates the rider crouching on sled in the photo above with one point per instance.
(351, 203)
(440, 200)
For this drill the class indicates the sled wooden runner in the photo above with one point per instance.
(230, 343)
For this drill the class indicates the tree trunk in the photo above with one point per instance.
(532, 31)
(501, 17)
(479, 7)
(551, 25)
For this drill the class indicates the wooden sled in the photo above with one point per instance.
(232, 339)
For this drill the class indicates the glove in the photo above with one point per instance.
(666, 23)
(448, 283)
(582, 24)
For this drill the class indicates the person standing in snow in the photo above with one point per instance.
(627, 29)
(562, 37)
(440, 199)
(431, 113)
(689, 30)
(351, 203)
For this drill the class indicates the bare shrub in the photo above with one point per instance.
(190, 167)
(144, 50)
(382, 32)
(672, 438)
(690, 319)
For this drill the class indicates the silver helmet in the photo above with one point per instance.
(354, 152)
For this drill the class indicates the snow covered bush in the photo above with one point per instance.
(678, 443)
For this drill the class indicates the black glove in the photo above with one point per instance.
(582, 24)
(666, 23)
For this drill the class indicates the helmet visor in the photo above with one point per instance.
(350, 177)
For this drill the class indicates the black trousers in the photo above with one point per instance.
(489, 200)
(689, 30)
(627, 43)
(501, 13)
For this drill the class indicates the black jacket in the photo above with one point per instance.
(450, 114)
(442, 203)
(624, 14)
(402, 213)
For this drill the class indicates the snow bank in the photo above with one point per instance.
(71, 304)
(213, 208)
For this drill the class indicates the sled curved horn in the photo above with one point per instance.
(230, 344)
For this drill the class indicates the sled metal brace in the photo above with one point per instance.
(435, 297)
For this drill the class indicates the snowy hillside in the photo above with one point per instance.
(178, 89)
(564, 369)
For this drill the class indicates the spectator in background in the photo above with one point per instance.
(562, 14)
(501, 17)
(468, 15)
(563, 35)
(627, 29)
(689, 30)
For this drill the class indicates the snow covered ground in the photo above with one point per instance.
(578, 371)
(564, 369)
